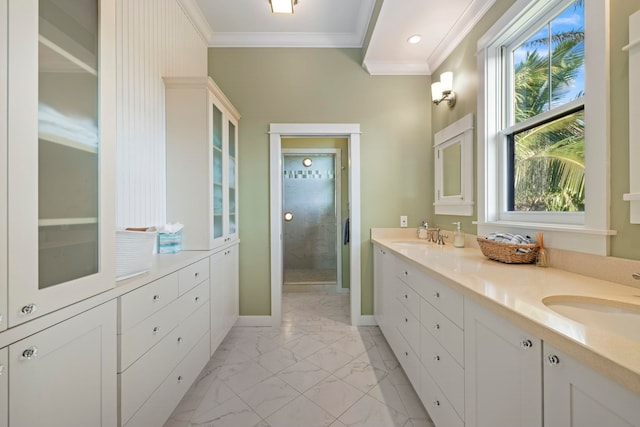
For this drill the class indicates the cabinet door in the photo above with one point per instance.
(224, 293)
(60, 153)
(503, 373)
(3, 166)
(379, 255)
(66, 374)
(576, 396)
(218, 153)
(232, 179)
(4, 387)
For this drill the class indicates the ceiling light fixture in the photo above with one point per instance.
(282, 6)
(414, 39)
(443, 90)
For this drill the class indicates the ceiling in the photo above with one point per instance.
(344, 24)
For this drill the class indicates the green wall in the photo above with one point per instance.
(302, 85)
(463, 63)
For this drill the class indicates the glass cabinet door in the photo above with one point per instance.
(218, 171)
(232, 167)
(56, 169)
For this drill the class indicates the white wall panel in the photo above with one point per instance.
(155, 38)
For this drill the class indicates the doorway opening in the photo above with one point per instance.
(280, 136)
(315, 206)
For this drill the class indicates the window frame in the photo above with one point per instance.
(586, 231)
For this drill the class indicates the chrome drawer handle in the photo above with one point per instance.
(156, 297)
(197, 299)
(436, 358)
(406, 320)
(180, 378)
(30, 353)
(156, 329)
(406, 296)
(196, 274)
(437, 403)
(436, 294)
(436, 326)
(526, 344)
(553, 360)
(179, 340)
(28, 309)
(406, 353)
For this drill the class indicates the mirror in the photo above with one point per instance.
(454, 168)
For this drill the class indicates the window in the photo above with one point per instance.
(543, 123)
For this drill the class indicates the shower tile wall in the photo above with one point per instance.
(309, 193)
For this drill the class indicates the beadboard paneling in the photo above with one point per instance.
(155, 38)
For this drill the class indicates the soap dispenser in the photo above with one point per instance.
(458, 236)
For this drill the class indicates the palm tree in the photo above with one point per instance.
(549, 158)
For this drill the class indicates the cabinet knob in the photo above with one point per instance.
(406, 320)
(196, 274)
(526, 344)
(156, 297)
(406, 273)
(406, 296)
(156, 329)
(437, 403)
(436, 358)
(436, 326)
(180, 378)
(406, 353)
(197, 299)
(436, 294)
(28, 309)
(179, 340)
(30, 353)
(553, 360)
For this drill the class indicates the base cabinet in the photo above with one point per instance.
(65, 376)
(224, 267)
(576, 396)
(503, 373)
(4, 387)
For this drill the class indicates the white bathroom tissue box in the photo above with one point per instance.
(134, 251)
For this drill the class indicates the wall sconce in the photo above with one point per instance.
(282, 6)
(443, 90)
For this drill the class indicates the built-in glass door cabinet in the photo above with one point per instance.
(202, 160)
(64, 376)
(61, 121)
(577, 396)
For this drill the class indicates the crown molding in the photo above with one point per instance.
(396, 68)
(195, 15)
(251, 39)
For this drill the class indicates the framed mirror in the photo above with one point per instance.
(453, 154)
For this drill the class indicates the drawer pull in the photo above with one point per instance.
(156, 329)
(436, 326)
(553, 360)
(156, 297)
(28, 309)
(526, 344)
(406, 320)
(437, 403)
(179, 340)
(180, 378)
(436, 294)
(406, 296)
(196, 274)
(30, 353)
(406, 273)
(436, 358)
(197, 299)
(406, 353)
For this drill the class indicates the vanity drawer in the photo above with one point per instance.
(191, 301)
(409, 361)
(139, 339)
(192, 275)
(157, 409)
(444, 299)
(443, 368)
(450, 336)
(434, 401)
(146, 300)
(192, 329)
(409, 299)
(409, 328)
(146, 374)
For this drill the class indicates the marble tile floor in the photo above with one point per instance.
(315, 370)
(309, 276)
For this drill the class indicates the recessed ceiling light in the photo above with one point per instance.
(414, 39)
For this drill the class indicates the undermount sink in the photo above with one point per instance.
(618, 317)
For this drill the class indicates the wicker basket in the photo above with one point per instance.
(508, 252)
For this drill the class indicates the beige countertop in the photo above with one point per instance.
(516, 292)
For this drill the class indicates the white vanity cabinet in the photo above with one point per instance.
(164, 343)
(4, 387)
(64, 376)
(202, 162)
(503, 372)
(224, 293)
(60, 154)
(577, 396)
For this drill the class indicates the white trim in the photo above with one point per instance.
(276, 132)
(396, 68)
(254, 321)
(195, 15)
(368, 320)
(337, 166)
(594, 232)
(257, 39)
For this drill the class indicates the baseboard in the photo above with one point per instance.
(368, 320)
(254, 321)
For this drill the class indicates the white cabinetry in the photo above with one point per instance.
(60, 127)
(503, 374)
(164, 343)
(3, 166)
(65, 375)
(202, 135)
(4, 387)
(576, 396)
(224, 293)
